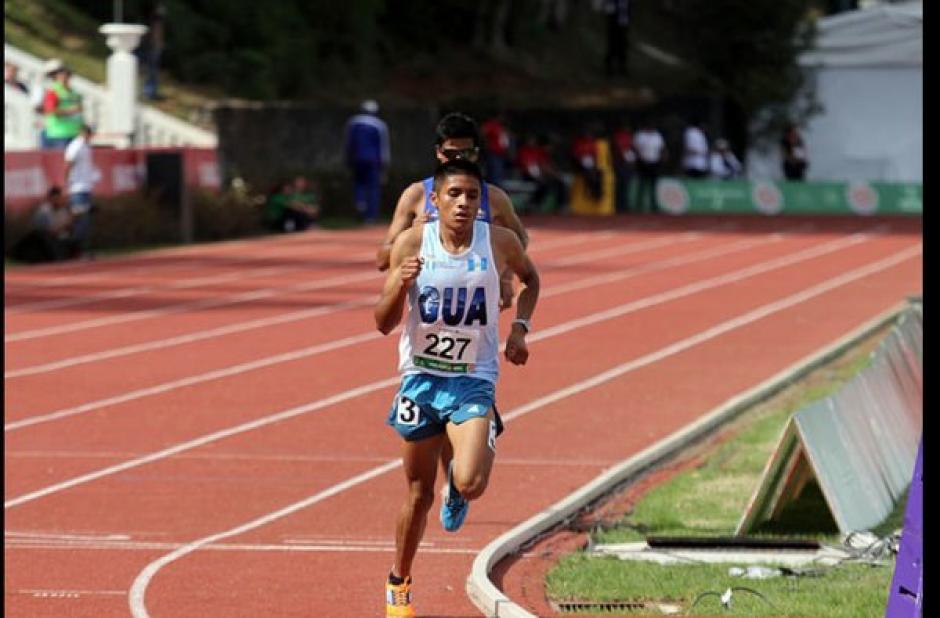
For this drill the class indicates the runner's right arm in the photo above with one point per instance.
(403, 219)
(405, 266)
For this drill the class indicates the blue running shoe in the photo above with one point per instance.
(453, 508)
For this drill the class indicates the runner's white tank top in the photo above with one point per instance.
(452, 328)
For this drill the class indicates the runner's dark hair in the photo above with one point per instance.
(457, 125)
(456, 167)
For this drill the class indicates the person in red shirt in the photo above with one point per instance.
(535, 164)
(584, 153)
(624, 160)
(497, 143)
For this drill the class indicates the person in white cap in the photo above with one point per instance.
(367, 155)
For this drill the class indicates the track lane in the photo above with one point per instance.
(325, 323)
(436, 601)
(96, 475)
(207, 562)
(30, 347)
(179, 410)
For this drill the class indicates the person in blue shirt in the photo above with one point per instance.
(367, 155)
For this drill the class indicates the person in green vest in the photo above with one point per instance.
(62, 110)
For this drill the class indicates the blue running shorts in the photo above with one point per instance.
(425, 404)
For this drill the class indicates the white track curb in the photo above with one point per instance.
(494, 604)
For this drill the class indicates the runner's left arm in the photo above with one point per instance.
(517, 261)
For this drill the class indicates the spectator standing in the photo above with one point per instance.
(592, 190)
(153, 49)
(584, 156)
(723, 164)
(695, 150)
(624, 163)
(367, 155)
(650, 149)
(62, 109)
(535, 164)
(11, 77)
(617, 14)
(50, 238)
(793, 149)
(497, 142)
(81, 176)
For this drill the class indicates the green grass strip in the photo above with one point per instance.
(708, 501)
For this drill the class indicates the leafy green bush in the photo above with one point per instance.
(227, 215)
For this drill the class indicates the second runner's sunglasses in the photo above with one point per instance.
(460, 153)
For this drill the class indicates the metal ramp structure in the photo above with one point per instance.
(859, 444)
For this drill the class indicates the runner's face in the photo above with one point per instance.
(458, 200)
(457, 148)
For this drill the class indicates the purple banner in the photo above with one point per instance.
(906, 599)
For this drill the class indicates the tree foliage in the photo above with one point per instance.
(742, 50)
(748, 51)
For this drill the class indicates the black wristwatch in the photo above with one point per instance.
(524, 323)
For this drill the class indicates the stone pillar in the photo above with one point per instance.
(122, 82)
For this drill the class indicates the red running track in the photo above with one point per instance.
(200, 431)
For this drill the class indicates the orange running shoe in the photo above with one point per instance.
(398, 599)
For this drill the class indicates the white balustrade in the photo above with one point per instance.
(151, 127)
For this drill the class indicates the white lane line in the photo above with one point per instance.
(68, 594)
(239, 327)
(720, 329)
(324, 457)
(139, 587)
(352, 340)
(261, 422)
(125, 267)
(180, 284)
(584, 283)
(204, 303)
(205, 439)
(136, 596)
(260, 457)
(239, 547)
(202, 256)
(233, 299)
(196, 379)
(63, 536)
(161, 344)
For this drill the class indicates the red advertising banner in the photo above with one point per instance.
(28, 175)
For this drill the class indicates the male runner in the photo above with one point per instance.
(447, 272)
